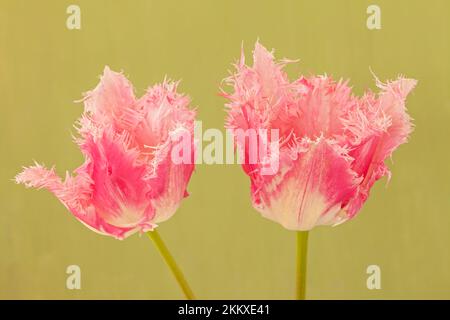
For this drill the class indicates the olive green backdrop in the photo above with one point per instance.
(223, 245)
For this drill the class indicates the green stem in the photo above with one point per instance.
(302, 252)
(170, 261)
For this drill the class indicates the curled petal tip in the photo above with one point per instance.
(38, 177)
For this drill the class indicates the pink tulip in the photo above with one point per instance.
(332, 144)
(128, 182)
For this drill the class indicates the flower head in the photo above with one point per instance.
(128, 182)
(332, 144)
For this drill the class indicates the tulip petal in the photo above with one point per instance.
(112, 94)
(310, 189)
(168, 179)
(120, 194)
(371, 153)
(173, 184)
(164, 111)
(259, 91)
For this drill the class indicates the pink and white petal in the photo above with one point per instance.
(39, 177)
(169, 180)
(270, 74)
(259, 91)
(167, 203)
(318, 110)
(78, 198)
(379, 144)
(120, 193)
(92, 220)
(112, 95)
(163, 110)
(309, 191)
(392, 103)
(370, 154)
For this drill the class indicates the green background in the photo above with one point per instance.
(223, 245)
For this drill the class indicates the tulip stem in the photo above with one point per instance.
(170, 261)
(302, 252)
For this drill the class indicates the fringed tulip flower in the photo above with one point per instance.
(332, 144)
(128, 182)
